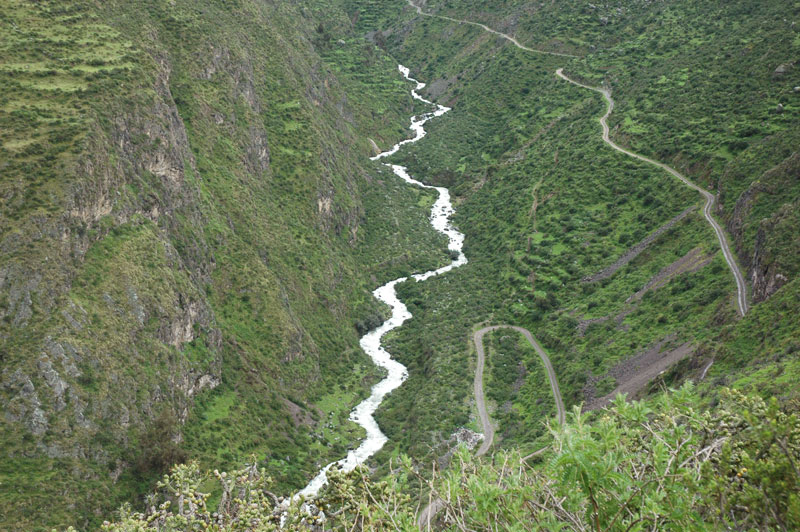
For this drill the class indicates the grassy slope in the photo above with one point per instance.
(248, 259)
(695, 86)
(511, 138)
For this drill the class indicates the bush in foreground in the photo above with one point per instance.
(662, 465)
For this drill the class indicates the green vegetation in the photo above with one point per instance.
(545, 204)
(190, 229)
(517, 386)
(636, 466)
(707, 89)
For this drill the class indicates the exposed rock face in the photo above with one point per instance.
(65, 354)
(19, 289)
(24, 405)
(772, 258)
(181, 329)
(191, 384)
(151, 140)
(133, 170)
(258, 151)
(767, 272)
(54, 381)
(463, 436)
(145, 149)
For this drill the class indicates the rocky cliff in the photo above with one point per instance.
(182, 192)
(764, 221)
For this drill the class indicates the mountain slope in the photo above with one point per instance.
(547, 207)
(190, 232)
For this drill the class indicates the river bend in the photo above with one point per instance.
(363, 413)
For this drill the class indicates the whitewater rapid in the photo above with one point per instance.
(441, 211)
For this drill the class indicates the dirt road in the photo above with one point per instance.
(741, 299)
(433, 508)
(430, 511)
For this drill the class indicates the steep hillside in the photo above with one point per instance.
(190, 231)
(606, 259)
(191, 227)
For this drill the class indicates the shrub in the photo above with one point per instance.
(663, 465)
(158, 449)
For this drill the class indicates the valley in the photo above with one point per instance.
(195, 210)
(441, 211)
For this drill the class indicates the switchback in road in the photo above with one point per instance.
(430, 511)
(479, 395)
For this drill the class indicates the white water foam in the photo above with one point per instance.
(371, 342)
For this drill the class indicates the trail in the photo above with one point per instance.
(363, 413)
(430, 511)
(490, 30)
(741, 287)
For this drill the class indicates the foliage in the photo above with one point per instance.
(187, 202)
(517, 385)
(663, 465)
(544, 203)
(278, 228)
(695, 85)
(638, 466)
(158, 450)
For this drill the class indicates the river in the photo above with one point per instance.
(442, 210)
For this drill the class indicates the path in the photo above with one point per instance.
(741, 288)
(741, 300)
(490, 30)
(430, 511)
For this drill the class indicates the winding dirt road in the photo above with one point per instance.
(430, 511)
(480, 399)
(490, 30)
(741, 300)
(741, 287)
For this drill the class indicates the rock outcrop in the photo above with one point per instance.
(769, 246)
